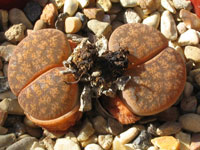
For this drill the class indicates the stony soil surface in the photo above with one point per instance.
(176, 128)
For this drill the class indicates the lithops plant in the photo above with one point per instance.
(34, 76)
(157, 71)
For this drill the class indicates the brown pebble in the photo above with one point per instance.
(189, 104)
(190, 19)
(94, 13)
(170, 114)
(49, 14)
(3, 116)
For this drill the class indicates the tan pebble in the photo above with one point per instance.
(3, 130)
(72, 24)
(117, 145)
(94, 13)
(128, 135)
(71, 136)
(166, 143)
(3, 116)
(86, 131)
(70, 7)
(193, 53)
(104, 4)
(153, 20)
(128, 3)
(39, 24)
(184, 139)
(37, 146)
(52, 135)
(4, 19)
(93, 147)
(181, 27)
(49, 14)
(105, 141)
(92, 139)
(190, 19)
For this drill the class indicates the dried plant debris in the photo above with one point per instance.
(4, 86)
(98, 70)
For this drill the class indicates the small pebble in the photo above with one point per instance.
(29, 123)
(184, 139)
(70, 7)
(7, 140)
(128, 3)
(86, 131)
(181, 27)
(190, 122)
(168, 26)
(105, 141)
(100, 124)
(128, 135)
(152, 148)
(71, 136)
(49, 14)
(3, 130)
(6, 52)
(11, 106)
(48, 143)
(3, 19)
(188, 89)
(83, 3)
(149, 5)
(190, 37)
(168, 128)
(19, 129)
(153, 20)
(17, 16)
(115, 9)
(151, 128)
(166, 143)
(193, 53)
(65, 144)
(189, 104)
(39, 24)
(114, 127)
(35, 132)
(25, 144)
(130, 16)
(182, 4)
(104, 4)
(143, 140)
(33, 11)
(72, 24)
(37, 146)
(92, 139)
(106, 18)
(195, 142)
(168, 5)
(83, 19)
(93, 147)
(60, 21)
(94, 13)
(190, 19)
(58, 3)
(100, 28)
(15, 33)
(170, 114)
(3, 116)
(119, 146)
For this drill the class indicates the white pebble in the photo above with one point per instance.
(153, 20)
(168, 26)
(70, 7)
(93, 147)
(190, 37)
(193, 53)
(128, 3)
(83, 3)
(181, 27)
(168, 5)
(130, 16)
(105, 141)
(65, 144)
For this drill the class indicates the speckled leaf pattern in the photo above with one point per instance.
(37, 53)
(142, 41)
(49, 97)
(156, 84)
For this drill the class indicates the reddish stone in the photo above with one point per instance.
(196, 4)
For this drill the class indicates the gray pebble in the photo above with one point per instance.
(17, 16)
(143, 140)
(114, 127)
(100, 124)
(182, 4)
(152, 129)
(19, 128)
(6, 140)
(168, 128)
(188, 89)
(83, 19)
(189, 104)
(23, 144)
(33, 11)
(60, 22)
